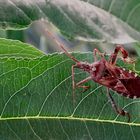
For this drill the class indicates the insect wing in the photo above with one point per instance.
(132, 86)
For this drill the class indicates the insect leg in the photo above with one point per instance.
(119, 111)
(95, 51)
(79, 84)
(73, 82)
(113, 57)
(74, 85)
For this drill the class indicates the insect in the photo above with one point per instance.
(106, 73)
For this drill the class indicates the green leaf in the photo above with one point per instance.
(36, 101)
(10, 48)
(114, 21)
(137, 48)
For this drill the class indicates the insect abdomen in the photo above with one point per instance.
(132, 86)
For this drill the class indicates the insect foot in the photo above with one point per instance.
(124, 113)
(129, 60)
(86, 88)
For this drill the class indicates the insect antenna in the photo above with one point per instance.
(62, 47)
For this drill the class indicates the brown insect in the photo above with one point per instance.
(106, 73)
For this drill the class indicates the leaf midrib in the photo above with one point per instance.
(69, 118)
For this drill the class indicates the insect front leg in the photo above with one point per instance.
(119, 111)
(125, 57)
(79, 84)
(113, 57)
(74, 85)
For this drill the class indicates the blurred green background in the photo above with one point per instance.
(37, 36)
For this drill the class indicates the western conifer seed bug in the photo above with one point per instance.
(106, 73)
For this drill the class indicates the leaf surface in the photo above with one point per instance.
(16, 49)
(36, 101)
